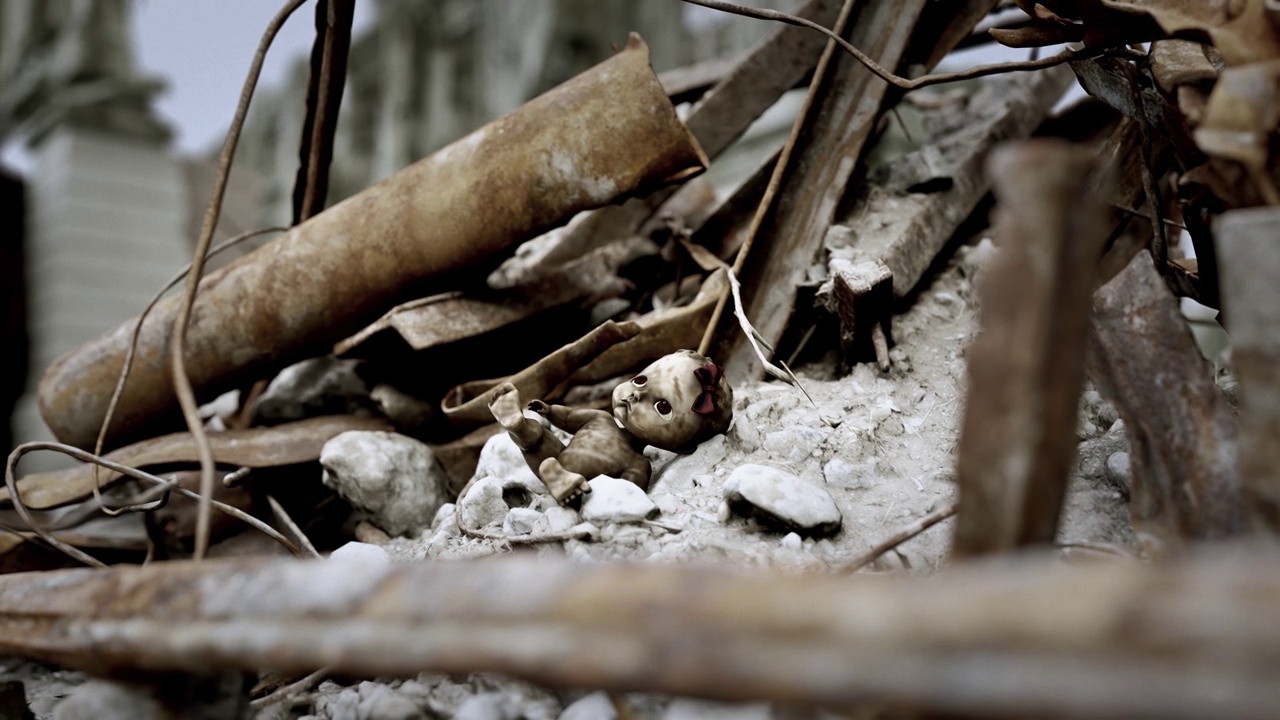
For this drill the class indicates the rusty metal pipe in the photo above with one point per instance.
(606, 134)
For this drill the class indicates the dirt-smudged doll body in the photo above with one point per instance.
(674, 403)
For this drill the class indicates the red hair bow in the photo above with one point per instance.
(708, 377)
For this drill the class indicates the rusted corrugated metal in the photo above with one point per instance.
(605, 134)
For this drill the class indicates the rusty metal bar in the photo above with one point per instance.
(1249, 258)
(1195, 638)
(605, 134)
(1026, 367)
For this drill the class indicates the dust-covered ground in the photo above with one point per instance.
(882, 446)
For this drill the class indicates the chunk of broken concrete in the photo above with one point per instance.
(394, 479)
(780, 500)
(616, 501)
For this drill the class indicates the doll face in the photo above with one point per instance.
(656, 405)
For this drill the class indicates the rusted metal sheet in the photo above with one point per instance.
(848, 104)
(443, 319)
(605, 134)
(1192, 639)
(1026, 367)
(1249, 257)
(1182, 435)
(287, 444)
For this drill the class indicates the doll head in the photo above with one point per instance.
(676, 402)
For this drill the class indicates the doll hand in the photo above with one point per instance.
(539, 407)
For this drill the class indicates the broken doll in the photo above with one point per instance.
(675, 403)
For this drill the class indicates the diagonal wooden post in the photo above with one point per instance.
(1027, 365)
(1249, 260)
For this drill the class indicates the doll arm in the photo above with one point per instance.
(566, 418)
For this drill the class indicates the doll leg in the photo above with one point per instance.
(535, 441)
(565, 486)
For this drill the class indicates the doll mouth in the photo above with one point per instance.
(621, 409)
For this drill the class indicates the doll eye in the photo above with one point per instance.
(663, 407)
(639, 381)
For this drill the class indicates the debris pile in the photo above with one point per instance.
(968, 301)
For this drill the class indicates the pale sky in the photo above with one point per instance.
(202, 48)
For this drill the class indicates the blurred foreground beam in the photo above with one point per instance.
(603, 135)
(1249, 259)
(1030, 638)
(1026, 366)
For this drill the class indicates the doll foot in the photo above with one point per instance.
(506, 407)
(566, 487)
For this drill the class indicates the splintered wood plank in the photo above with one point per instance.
(1026, 366)
(847, 105)
(1249, 260)
(1182, 436)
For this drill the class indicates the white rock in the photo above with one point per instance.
(1120, 470)
(557, 520)
(744, 435)
(839, 472)
(103, 700)
(359, 552)
(338, 706)
(794, 443)
(792, 541)
(682, 473)
(614, 500)
(520, 521)
(395, 479)
(483, 503)
(596, 706)
(501, 459)
(779, 497)
(446, 521)
(488, 706)
(379, 702)
(318, 386)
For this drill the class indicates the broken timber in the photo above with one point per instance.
(1020, 639)
(1249, 257)
(897, 231)
(1026, 366)
(1182, 436)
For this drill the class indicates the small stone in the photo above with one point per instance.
(839, 472)
(483, 504)
(339, 706)
(1107, 415)
(395, 479)
(794, 443)
(103, 700)
(359, 552)
(520, 521)
(596, 706)
(488, 706)
(792, 541)
(1119, 471)
(317, 386)
(614, 500)
(381, 702)
(446, 520)
(744, 435)
(556, 520)
(778, 497)
(500, 458)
